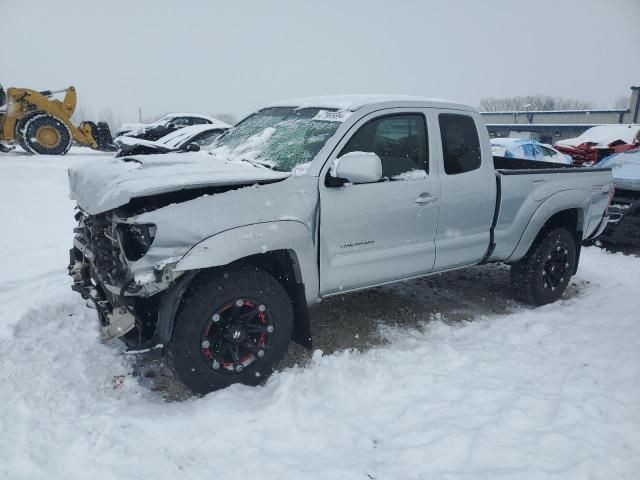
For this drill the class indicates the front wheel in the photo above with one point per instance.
(21, 131)
(233, 327)
(543, 274)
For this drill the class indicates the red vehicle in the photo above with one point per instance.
(600, 142)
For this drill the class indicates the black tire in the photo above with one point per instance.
(56, 139)
(543, 274)
(193, 351)
(20, 130)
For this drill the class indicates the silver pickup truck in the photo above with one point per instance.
(212, 258)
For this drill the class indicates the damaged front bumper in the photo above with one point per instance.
(124, 293)
(122, 316)
(115, 321)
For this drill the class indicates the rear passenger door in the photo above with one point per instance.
(468, 190)
(382, 231)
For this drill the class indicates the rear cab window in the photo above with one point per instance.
(460, 143)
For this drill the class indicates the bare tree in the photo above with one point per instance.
(81, 114)
(113, 120)
(532, 102)
(622, 102)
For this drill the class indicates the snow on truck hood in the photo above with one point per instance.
(104, 185)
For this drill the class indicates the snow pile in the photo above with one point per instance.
(552, 392)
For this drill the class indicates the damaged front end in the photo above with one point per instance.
(106, 270)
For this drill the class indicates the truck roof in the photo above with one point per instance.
(355, 102)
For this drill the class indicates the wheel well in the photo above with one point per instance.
(572, 220)
(283, 265)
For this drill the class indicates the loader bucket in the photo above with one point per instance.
(104, 138)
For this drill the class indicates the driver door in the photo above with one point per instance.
(383, 231)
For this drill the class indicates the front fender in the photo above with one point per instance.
(241, 242)
(565, 200)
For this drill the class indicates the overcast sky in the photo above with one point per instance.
(212, 57)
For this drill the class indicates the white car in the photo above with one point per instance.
(528, 150)
(167, 124)
(181, 140)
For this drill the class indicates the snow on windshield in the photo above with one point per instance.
(279, 138)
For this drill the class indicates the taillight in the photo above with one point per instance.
(612, 191)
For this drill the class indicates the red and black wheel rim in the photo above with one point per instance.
(554, 270)
(236, 335)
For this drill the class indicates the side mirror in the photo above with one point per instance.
(193, 147)
(171, 125)
(357, 167)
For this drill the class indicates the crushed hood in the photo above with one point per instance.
(103, 185)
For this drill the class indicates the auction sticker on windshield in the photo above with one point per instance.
(332, 115)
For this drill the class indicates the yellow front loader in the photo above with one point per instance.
(41, 124)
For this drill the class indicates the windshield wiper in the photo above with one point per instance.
(255, 163)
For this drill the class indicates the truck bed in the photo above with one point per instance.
(516, 166)
(526, 188)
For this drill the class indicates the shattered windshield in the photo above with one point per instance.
(279, 138)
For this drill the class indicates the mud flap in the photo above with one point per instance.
(302, 324)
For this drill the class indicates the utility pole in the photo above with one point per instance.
(139, 115)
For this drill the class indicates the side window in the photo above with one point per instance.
(399, 140)
(181, 121)
(460, 143)
(198, 121)
(547, 152)
(206, 138)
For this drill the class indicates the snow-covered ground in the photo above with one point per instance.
(519, 393)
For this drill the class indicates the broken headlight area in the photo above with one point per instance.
(136, 239)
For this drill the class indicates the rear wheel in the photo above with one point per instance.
(44, 134)
(233, 327)
(543, 274)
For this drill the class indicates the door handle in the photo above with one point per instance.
(425, 199)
